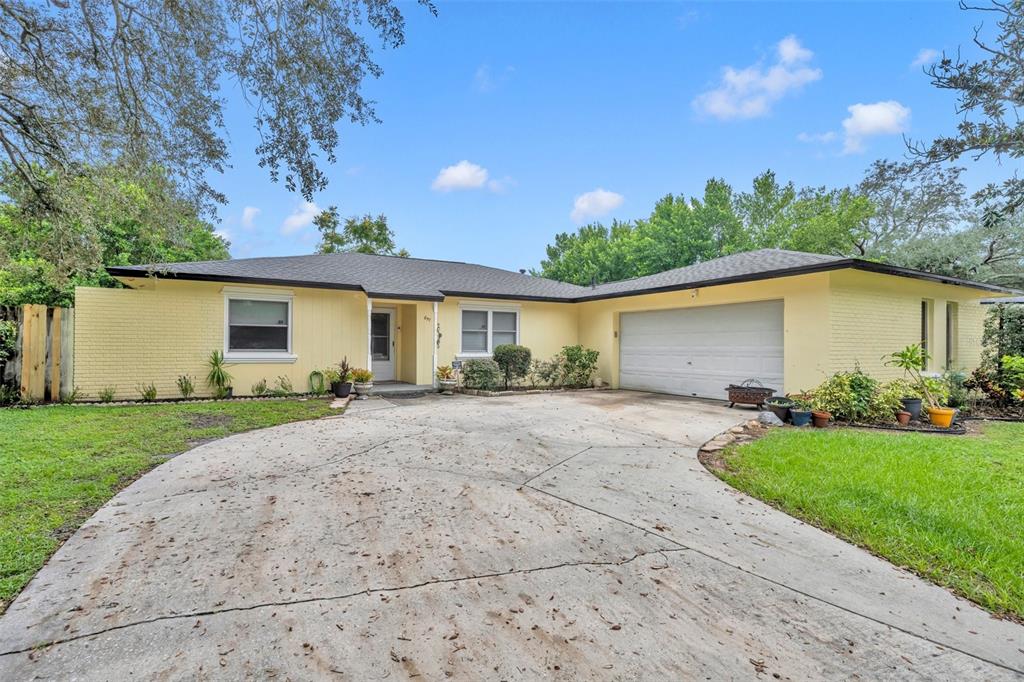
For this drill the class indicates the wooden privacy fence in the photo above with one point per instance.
(42, 362)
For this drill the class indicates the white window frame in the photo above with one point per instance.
(490, 310)
(240, 356)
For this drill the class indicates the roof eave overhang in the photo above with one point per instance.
(846, 263)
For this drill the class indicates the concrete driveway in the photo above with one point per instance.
(565, 535)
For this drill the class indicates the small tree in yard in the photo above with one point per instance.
(513, 360)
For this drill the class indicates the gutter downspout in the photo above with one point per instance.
(433, 349)
(369, 333)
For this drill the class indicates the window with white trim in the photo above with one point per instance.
(257, 326)
(485, 328)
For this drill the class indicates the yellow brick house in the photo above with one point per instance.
(785, 318)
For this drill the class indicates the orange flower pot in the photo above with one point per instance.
(821, 418)
(941, 416)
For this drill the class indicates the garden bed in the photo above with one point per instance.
(526, 391)
(957, 428)
(170, 401)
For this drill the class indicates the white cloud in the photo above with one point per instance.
(482, 79)
(463, 175)
(501, 185)
(818, 138)
(751, 92)
(249, 214)
(595, 204)
(868, 120)
(487, 80)
(300, 218)
(792, 52)
(925, 56)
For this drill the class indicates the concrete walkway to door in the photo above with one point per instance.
(572, 536)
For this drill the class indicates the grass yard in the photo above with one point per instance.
(59, 464)
(948, 508)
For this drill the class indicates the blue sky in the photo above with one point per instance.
(505, 123)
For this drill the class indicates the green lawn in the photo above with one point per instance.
(948, 508)
(59, 464)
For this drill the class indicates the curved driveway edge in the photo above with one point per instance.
(568, 535)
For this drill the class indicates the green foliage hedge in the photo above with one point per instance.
(513, 361)
(482, 374)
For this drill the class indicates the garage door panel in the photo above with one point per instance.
(699, 351)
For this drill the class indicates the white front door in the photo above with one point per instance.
(382, 344)
(699, 351)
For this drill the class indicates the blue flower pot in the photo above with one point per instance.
(800, 417)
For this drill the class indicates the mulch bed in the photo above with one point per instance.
(518, 390)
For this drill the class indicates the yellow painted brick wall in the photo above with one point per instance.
(873, 315)
(128, 337)
(543, 327)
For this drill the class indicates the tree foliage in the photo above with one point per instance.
(138, 82)
(900, 213)
(366, 234)
(989, 101)
(117, 220)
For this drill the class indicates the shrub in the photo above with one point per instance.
(1004, 333)
(887, 401)
(955, 388)
(545, 373)
(186, 386)
(483, 374)
(362, 376)
(147, 391)
(283, 386)
(218, 377)
(72, 396)
(578, 365)
(331, 375)
(259, 388)
(513, 361)
(1013, 372)
(8, 339)
(9, 395)
(847, 395)
(107, 394)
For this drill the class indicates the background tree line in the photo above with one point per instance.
(909, 214)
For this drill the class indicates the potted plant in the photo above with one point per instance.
(800, 410)
(362, 382)
(218, 377)
(780, 405)
(912, 360)
(342, 386)
(446, 379)
(903, 417)
(821, 418)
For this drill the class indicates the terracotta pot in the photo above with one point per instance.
(821, 418)
(941, 416)
(903, 417)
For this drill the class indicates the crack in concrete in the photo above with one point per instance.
(556, 465)
(684, 547)
(340, 597)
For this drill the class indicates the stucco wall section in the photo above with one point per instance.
(128, 337)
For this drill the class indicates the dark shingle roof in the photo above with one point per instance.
(417, 278)
(378, 276)
(736, 266)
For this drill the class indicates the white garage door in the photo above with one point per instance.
(700, 351)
